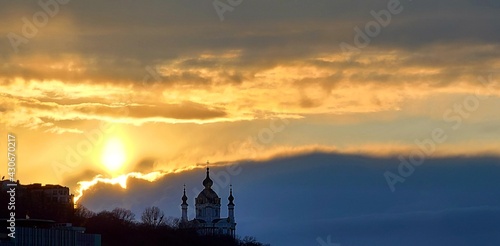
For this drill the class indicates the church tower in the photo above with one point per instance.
(231, 227)
(184, 207)
(207, 202)
(230, 205)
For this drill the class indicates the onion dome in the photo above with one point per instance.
(208, 182)
(208, 195)
(184, 197)
(230, 198)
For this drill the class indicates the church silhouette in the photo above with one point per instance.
(208, 219)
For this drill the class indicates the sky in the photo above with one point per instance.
(125, 96)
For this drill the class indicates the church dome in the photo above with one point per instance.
(208, 195)
(208, 182)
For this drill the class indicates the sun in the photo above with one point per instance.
(113, 156)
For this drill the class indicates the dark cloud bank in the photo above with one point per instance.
(305, 199)
(117, 40)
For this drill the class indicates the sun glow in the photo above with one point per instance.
(120, 180)
(113, 155)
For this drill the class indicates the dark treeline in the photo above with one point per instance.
(119, 227)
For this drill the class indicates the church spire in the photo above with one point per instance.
(231, 198)
(184, 197)
(208, 182)
(184, 206)
(230, 205)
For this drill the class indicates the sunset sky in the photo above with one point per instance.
(98, 91)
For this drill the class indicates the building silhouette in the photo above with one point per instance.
(37, 201)
(208, 219)
(35, 232)
(41, 216)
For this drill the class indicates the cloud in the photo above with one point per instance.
(326, 84)
(59, 130)
(92, 46)
(268, 58)
(462, 226)
(186, 110)
(345, 196)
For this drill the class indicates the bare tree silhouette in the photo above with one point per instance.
(153, 216)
